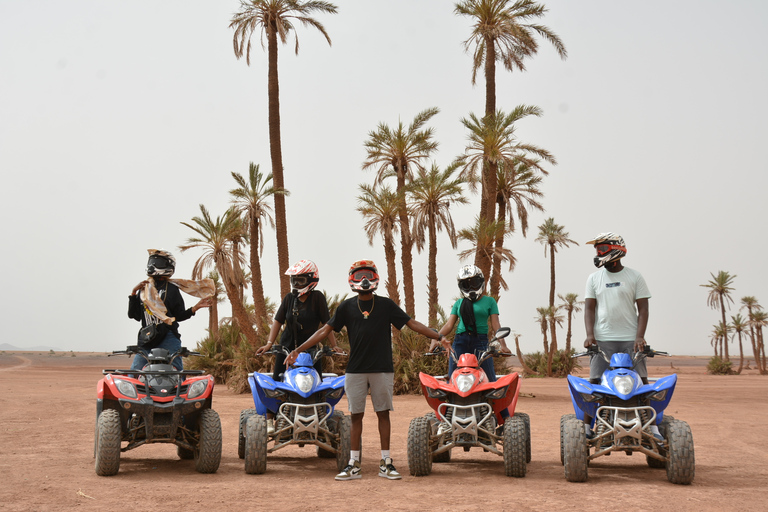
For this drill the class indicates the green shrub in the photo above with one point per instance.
(562, 363)
(717, 366)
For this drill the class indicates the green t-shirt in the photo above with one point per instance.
(484, 307)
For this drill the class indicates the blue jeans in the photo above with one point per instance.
(171, 343)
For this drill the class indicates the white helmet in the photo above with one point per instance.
(471, 282)
(363, 276)
(160, 263)
(610, 247)
(304, 277)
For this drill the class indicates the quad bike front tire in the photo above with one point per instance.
(208, 451)
(345, 441)
(514, 446)
(107, 445)
(563, 419)
(419, 453)
(681, 462)
(333, 426)
(185, 454)
(244, 415)
(440, 457)
(527, 420)
(256, 445)
(575, 451)
(654, 462)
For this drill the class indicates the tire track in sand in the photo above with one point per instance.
(24, 363)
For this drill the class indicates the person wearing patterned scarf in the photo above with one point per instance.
(157, 300)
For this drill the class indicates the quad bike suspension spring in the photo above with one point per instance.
(601, 426)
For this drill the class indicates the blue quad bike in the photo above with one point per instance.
(303, 403)
(623, 409)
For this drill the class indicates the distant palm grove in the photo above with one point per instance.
(406, 204)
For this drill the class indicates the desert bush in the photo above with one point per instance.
(562, 363)
(718, 366)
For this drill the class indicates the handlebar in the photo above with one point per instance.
(135, 349)
(646, 352)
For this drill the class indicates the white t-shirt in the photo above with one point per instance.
(616, 294)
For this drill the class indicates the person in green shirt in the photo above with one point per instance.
(474, 311)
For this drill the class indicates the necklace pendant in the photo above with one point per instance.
(365, 315)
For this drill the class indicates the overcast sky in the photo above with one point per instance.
(117, 119)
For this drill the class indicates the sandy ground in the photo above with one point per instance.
(47, 408)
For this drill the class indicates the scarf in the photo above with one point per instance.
(467, 313)
(152, 301)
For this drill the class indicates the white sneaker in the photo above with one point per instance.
(387, 469)
(270, 427)
(351, 472)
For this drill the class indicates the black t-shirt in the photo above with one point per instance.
(312, 313)
(370, 339)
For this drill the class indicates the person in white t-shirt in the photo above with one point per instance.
(615, 306)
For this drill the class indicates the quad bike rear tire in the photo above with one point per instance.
(244, 415)
(440, 457)
(107, 445)
(653, 462)
(345, 441)
(333, 426)
(419, 453)
(575, 451)
(527, 420)
(681, 462)
(208, 451)
(563, 419)
(256, 445)
(514, 446)
(185, 454)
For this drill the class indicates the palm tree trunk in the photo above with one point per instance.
(391, 283)
(741, 356)
(552, 345)
(495, 280)
(725, 332)
(526, 369)
(544, 333)
(238, 309)
(213, 318)
(432, 270)
(486, 207)
(407, 244)
(276, 154)
(552, 277)
(568, 334)
(257, 288)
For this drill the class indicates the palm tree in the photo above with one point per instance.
(213, 316)
(739, 325)
(718, 333)
(275, 20)
(399, 152)
(380, 207)
(492, 143)
(750, 304)
(571, 305)
(719, 293)
(543, 320)
(250, 201)
(552, 236)
(760, 320)
(554, 320)
(431, 196)
(501, 32)
(215, 238)
(482, 237)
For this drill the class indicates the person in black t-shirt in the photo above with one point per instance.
(368, 319)
(302, 312)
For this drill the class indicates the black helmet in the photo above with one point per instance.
(471, 282)
(160, 263)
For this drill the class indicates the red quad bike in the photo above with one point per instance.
(467, 414)
(157, 404)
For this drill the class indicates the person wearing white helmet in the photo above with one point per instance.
(302, 311)
(369, 319)
(157, 301)
(615, 307)
(473, 312)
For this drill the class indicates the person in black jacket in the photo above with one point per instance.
(157, 300)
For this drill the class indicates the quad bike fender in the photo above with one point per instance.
(513, 393)
(328, 386)
(258, 382)
(578, 386)
(667, 384)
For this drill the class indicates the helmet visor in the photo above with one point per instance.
(603, 249)
(363, 273)
(160, 262)
(473, 283)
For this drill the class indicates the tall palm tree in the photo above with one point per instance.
(718, 333)
(400, 152)
(554, 320)
(552, 236)
(492, 143)
(571, 304)
(502, 32)
(215, 238)
(431, 196)
(213, 316)
(482, 238)
(750, 304)
(543, 320)
(275, 19)
(380, 207)
(250, 200)
(739, 325)
(719, 294)
(760, 320)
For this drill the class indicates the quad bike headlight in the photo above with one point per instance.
(624, 384)
(497, 393)
(305, 382)
(659, 396)
(465, 382)
(126, 388)
(197, 388)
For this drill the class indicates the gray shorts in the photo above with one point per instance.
(598, 365)
(356, 386)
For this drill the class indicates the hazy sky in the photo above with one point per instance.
(117, 119)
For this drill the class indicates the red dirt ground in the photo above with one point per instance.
(47, 410)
